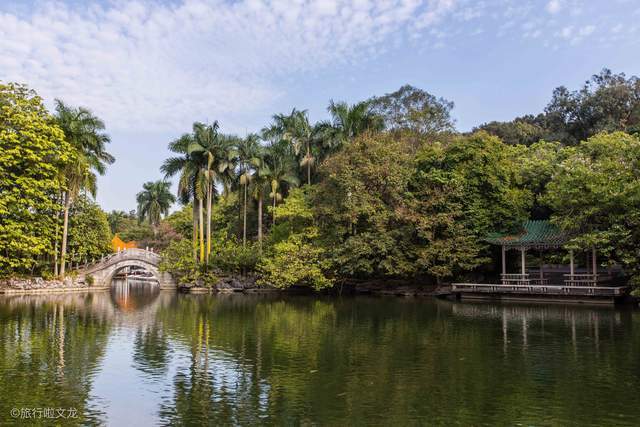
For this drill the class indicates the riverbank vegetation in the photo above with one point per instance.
(48, 167)
(385, 188)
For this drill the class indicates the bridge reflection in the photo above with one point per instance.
(130, 295)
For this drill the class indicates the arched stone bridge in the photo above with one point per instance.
(104, 270)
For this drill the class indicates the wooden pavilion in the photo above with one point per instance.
(540, 235)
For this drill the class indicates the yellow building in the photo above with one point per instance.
(118, 243)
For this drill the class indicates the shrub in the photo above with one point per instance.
(230, 256)
(296, 261)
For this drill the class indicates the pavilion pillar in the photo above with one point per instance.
(594, 264)
(504, 260)
(571, 265)
(522, 261)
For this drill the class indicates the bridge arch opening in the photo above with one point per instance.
(133, 273)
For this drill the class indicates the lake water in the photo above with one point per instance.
(137, 356)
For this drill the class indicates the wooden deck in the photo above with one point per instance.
(606, 294)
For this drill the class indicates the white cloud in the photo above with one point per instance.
(161, 65)
(566, 32)
(585, 31)
(575, 35)
(140, 63)
(554, 6)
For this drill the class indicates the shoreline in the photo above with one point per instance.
(73, 289)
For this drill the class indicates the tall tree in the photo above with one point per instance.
(259, 187)
(248, 150)
(526, 130)
(303, 137)
(607, 102)
(595, 194)
(154, 200)
(347, 122)
(89, 232)
(359, 204)
(32, 152)
(413, 109)
(189, 189)
(85, 133)
(280, 173)
(216, 156)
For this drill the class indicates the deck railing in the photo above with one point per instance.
(537, 289)
(581, 279)
(515, 279)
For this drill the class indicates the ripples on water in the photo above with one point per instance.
(138, 356)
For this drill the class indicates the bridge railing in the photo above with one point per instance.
(123, 254)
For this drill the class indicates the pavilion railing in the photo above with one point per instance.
(549, 290)
(515, 279)
(583, 279)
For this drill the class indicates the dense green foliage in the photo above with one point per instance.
(32, 153)
(460, 191)
(415, 110)
(595, 195)
(606, 103)
(360, 204)
(389, 189)
(154, 201)
(45, 163)
(89, 232)
(295, 257)
(393, 192)
(85, 133)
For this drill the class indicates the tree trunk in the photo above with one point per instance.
(274, 210)
(260, 220)
(209, 197)
(201, 218)
(65, 229)
(55, 246)
(194, 237)
(308, 165)
(244, 219)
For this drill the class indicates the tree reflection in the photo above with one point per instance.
(51, 349)
(386, 361)
(249, 359)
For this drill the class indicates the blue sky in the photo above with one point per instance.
(150, 69)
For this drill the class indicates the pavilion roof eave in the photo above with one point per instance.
(534, 234)
(539, 246)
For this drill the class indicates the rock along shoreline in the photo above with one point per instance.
(38, 285)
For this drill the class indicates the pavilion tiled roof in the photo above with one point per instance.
(533, 234)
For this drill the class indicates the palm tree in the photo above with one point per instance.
(296, 129)
(280, 172)
(259, 187)
(248, 151)
(116, 218)
(154, 200)
(84, 132)
(189, 188)
(228, 160)
(347, 122)
(216, 156)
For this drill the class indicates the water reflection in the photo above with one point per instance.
(131, 295)
(138, 356)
